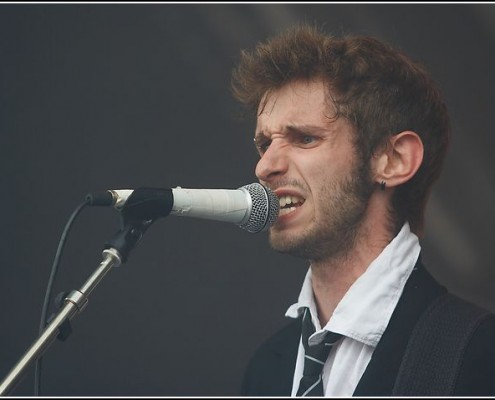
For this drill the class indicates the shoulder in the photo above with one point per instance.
(451, 351)
(454, 342)
(477, 372)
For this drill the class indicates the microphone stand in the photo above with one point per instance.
(115, 253)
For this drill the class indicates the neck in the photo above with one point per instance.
(333, 276)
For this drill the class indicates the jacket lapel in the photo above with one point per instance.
(381, 372)
(271, 371)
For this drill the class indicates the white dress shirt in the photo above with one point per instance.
(361, 316)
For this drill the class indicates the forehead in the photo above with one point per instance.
(296, 102)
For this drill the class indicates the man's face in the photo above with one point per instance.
(309, 160)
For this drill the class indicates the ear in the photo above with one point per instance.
(400, 159)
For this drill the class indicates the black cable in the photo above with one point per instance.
(51, 280)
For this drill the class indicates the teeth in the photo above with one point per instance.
(285, 200)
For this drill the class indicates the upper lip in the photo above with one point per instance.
(287, 192)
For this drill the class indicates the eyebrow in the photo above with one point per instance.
(308, 129)
(302, 129)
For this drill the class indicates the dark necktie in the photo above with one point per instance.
(314, 358)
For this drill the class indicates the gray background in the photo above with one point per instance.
(122, 96)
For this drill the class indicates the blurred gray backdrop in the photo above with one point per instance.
(97, 96)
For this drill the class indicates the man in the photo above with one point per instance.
(351, 135)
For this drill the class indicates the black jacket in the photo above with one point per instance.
(271, 370)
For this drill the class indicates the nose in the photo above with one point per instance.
(273, 163)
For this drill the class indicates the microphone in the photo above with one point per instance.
(252, 207)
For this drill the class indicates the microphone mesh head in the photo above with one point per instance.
(264, 210)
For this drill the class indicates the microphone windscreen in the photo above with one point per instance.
(265, 208)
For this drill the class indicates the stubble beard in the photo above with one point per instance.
(334, 235)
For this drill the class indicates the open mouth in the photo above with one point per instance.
(289, 204)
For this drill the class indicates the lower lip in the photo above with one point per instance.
(285, 216)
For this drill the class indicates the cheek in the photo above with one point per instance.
(321, 170)
(323, 177)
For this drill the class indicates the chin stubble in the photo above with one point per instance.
(335, 236)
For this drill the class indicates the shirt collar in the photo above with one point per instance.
(365, 310)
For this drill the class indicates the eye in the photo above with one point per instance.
(307, 139)
(262, 145)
